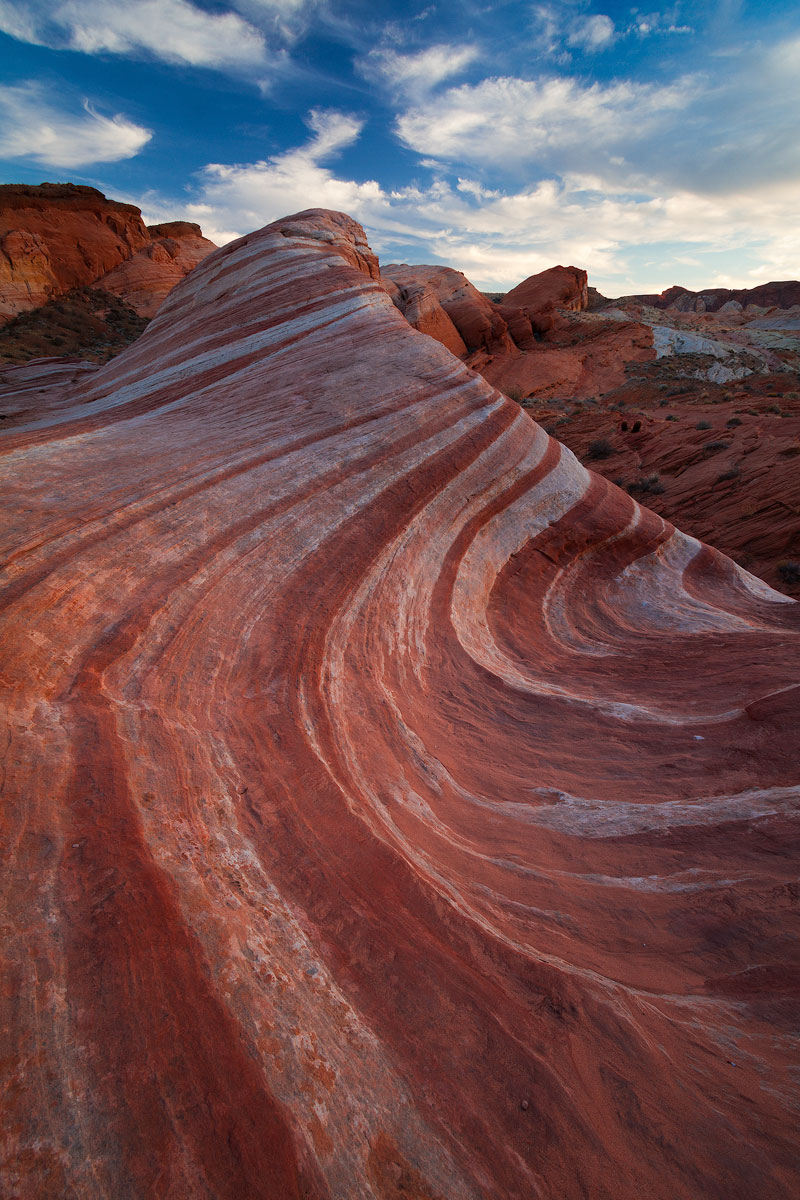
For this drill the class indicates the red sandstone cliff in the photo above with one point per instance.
(393, 807)
(56, 237)
(785, 294)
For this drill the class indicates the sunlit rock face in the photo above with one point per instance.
(146, 279)
(55, 237)
(557, 287)
(531, 344)
(393, 808)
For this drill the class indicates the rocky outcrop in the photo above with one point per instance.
(145, 280)
(56, 237)
(443, 303)
(528, 345)
(371, 829)
(558, 287)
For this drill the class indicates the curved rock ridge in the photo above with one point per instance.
(395, 808)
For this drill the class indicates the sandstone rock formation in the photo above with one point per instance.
(145, 280)
(783, 294)
(56, 237)
(558, 287)
(444, 304)
(393, 807)
(528, 345)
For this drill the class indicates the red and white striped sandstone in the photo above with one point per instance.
(393, 807)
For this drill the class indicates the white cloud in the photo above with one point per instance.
(558, 123)
(173, 30)
(498, 237)
(420, 72)
(248, 196)
(593, 33)
(37, 128)
(284, 18)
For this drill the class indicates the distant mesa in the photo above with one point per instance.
(784, 294)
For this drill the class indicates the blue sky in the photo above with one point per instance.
(651, 145)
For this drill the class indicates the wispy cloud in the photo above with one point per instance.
(593, 33)
(175, 31)
(36, 126)
(244, 197)
(556, 123)
(412, 75)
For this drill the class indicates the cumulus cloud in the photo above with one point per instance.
(244, 197)
(35, 127)
(175, 31)
(419, 72)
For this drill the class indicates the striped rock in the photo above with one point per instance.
(393, 808)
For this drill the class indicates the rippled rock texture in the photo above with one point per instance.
(395, 808)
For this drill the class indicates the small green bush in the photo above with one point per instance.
(703, 425)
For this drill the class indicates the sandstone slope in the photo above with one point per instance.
(395, 808)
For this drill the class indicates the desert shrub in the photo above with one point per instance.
(714, 447)
(703, 425)
(731, 473)
(600, 448)
(734, 421)
(514, 393)
(789, 571)
(670, 417)
(775, 408)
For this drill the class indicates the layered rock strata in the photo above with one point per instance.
(393, 807)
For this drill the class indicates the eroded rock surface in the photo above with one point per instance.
(531, 344)
(145, 280)
(394, 807)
